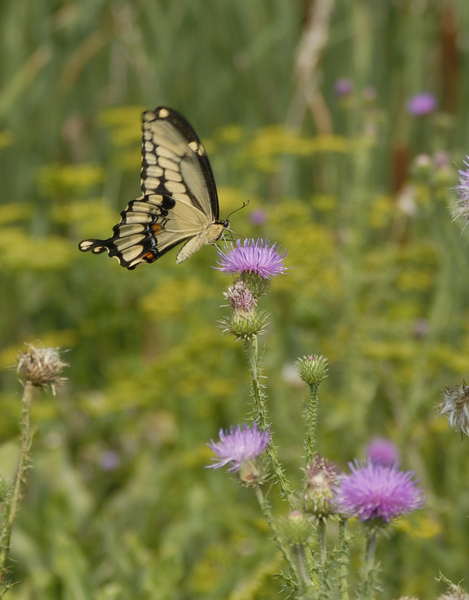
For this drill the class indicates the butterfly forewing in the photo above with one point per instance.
(179, 198)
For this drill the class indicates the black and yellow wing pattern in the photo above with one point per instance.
(179, 199)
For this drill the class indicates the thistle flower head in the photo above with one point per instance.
(240, 447)
(312, 369)
(242, 301)
(382, 452)
(454, 592)
(456, 408)
(377, 493)
(41, 367)
(295, 529)
(321, 479)
(422, 104)
(462, 190)
(252, 257)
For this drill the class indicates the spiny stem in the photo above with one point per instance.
(322, 558)
(368, 577)
(261, 413)
(311, 422)
(344, 544)
(299, 575)
(12, 505)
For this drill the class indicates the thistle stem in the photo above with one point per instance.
(297, 571)
(311, 422)
(344, 544)
(261, 413)
(12, 504)
(322, 558)
(368, 577)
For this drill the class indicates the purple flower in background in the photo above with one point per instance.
(462, 189)
(238, 446)
(343, 87)
(254, 257)
(258, 217)
(422, 104)
(109, 460)
(374, 491)
(381, 451)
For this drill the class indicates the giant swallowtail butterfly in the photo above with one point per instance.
(179, 198)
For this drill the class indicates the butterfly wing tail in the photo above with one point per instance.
(95, 246)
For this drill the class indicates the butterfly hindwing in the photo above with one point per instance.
(179, 198)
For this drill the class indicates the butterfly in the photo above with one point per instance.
(179, 197)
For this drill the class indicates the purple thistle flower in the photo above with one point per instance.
(381, 451)
(343, 87)
(254, 257)
(462, 189)
(238, 446)
(374, 491)
(422, 104)
(258, 217)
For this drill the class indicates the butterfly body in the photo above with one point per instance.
(179, 199)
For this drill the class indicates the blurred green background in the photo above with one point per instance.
(119, 504)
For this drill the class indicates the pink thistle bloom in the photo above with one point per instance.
(382, 452)
(422, 104)
(375, 491)
(254, 257)
(238, 446)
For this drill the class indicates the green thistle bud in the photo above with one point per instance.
(253, 472)
(245, 326)
(321, 477)
(295, 529)
(258, 285)
(312, 369)
(41, 367)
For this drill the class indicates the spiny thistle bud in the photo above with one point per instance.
(41, 367)
(312, 369)
(243, 327)
(242, 301)
(295, 529)
(321, 478)
(456, 408)
(258, 285)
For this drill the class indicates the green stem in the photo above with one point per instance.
(311, 422)
(261, 414)
(368, 578)
(12, 505)
(322, 558)
(299, 575)
(344, 545)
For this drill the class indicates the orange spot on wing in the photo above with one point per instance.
(157, 228)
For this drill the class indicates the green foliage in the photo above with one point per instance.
(119, 504)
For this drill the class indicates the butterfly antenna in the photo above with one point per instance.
(237, 209)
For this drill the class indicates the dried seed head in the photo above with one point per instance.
(456, 407)
(242, 301)
(41, 367)
(455, 592)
